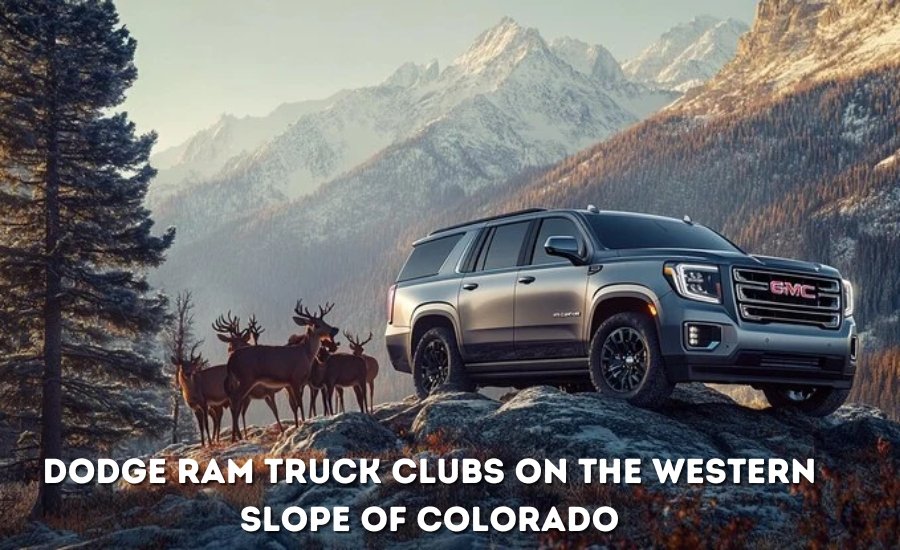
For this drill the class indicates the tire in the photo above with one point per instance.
(437, 364)
(626, 363)
(813, 401)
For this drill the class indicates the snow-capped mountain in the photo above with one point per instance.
(209, 150)
(687, 55)
(512, 96)
(799, 43)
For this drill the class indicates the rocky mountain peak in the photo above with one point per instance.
(506, 43)
(591, 59)
(411, 74)
(803, 41)
(688, 54)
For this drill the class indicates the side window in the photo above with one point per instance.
(553, 227)
(427, 258)
(504, 246)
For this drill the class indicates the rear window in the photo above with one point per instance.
(618, 231)
(427, 258)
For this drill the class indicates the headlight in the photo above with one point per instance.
(696, 281)
(848, 297)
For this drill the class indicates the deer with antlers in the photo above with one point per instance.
(203, 389)
(343, 370)
(358, 349)
(317, 376)
(229, 331)
(276, 367)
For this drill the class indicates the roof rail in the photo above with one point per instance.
(487, 219)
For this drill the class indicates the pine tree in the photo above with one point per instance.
(79, 319)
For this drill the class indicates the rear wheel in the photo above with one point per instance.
(811, 400)
(437, 364)
(625, 361)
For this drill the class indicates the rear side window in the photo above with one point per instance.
(553, 227)
(505, 246)
(427, 258)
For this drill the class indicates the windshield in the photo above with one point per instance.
(618, 231)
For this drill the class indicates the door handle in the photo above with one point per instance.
(526, 280)
(470, 286)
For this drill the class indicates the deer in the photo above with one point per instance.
(344, 370)
(317, 376)
(203, 389)
(229, 331)
(358, 349)
(276, 367)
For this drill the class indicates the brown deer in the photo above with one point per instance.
(203, 389)
(317, 376)
(276, 367)
(345, 370)
(229, 331)
(358, 349)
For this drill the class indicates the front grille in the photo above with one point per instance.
(803, 300)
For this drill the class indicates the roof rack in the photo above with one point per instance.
(487, 219)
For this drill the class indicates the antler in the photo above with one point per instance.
(303, 315)
(230, 326)
(353, 341)
(254, 328)
(367, 340)
(196, 358)
(326, 310)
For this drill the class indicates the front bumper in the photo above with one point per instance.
(754, 353)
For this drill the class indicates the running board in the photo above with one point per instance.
(576, 367)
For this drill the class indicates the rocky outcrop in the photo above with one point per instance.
(539, 422)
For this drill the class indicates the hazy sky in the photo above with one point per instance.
(198, 59)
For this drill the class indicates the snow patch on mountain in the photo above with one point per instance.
(688, 54)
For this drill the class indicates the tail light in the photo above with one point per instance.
(390, 303)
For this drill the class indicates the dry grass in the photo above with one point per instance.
(16, 501)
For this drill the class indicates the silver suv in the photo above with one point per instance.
(634, 303)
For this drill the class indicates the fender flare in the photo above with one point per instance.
(428, 309)
(624, 290)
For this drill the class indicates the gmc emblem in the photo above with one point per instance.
(784, 288)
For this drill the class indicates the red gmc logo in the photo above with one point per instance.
(784, 288)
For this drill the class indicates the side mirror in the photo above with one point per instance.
(564, 247)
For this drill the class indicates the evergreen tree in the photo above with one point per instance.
(79, 319)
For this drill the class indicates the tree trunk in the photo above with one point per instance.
(49, 500)
(176, 402)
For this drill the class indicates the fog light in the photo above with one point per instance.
(854, 346)
(702, 336)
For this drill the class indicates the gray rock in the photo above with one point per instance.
(337, 436)
(453, 414)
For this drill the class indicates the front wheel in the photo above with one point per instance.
(814, 401)
(626, 363)
(437, 364)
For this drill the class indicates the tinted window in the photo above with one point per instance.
(504, 246)
(553, 227)
(618, 231)
(427, 258)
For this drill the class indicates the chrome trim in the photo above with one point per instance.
(775, 311)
